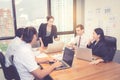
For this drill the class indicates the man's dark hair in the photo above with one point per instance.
(28, 34)
(19, 32)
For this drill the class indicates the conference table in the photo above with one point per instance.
(82, 70)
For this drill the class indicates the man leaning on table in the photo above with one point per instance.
(25, 61)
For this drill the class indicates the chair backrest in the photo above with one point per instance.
(10, 72)
(2, 62)
(111, 44)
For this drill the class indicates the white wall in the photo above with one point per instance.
(104, 14)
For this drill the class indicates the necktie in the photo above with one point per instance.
(79, 41)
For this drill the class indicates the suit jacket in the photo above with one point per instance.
(100, 49)
(42, 33)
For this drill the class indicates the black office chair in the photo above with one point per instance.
(111, 44)
(10, 72)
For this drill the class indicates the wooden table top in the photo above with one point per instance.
(82, 70)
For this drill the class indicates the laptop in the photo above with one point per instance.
(67, 59)
(84, 54)
(54, 47)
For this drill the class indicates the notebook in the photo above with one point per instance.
(84, 54)
(54, 47)
(67, 59)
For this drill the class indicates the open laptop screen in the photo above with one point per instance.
(84, 54)
(54, 47)
(68, 56)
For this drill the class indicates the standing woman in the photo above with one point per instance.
(98, 46)
(47, 32)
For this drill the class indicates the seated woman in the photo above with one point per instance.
(98, 46)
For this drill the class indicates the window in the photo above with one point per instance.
(31, 12)
(21, 13)
(62, 10)
(4, 45)
(28, 12)
(65, 19)
(6, 19)
(66, 38)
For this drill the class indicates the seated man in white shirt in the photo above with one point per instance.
(13, 46)
(80, 40)
(25, 61)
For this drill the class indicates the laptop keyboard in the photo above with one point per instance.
(63, 65)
